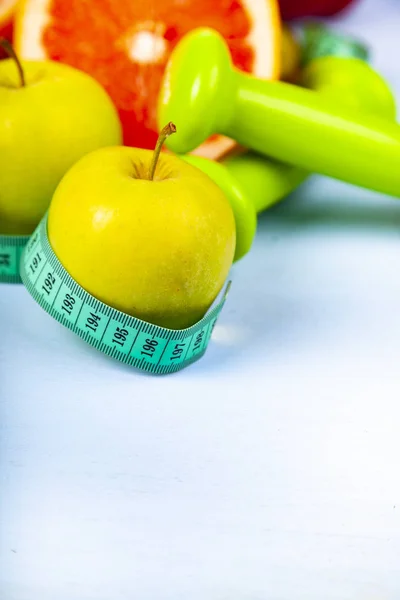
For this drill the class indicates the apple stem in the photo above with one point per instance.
(7, 46)
(164, 133)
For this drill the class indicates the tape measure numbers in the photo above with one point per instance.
(125, 338)
(11, 248)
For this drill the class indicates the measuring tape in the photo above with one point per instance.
(11, 248)
(121, 336)
(318, 40)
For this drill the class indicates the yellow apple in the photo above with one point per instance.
(158, 249)
(50, 116)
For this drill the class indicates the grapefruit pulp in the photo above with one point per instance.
(125, 45)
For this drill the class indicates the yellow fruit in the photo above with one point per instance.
(158, 249)
(60, 115)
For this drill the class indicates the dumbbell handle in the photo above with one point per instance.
(298, 126)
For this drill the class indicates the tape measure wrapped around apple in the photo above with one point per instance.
(134, 251)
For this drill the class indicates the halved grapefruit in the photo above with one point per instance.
(125, 45)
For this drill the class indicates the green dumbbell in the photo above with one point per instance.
(202, 93)
(253, 182)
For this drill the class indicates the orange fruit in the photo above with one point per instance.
(125, 45)
(7, 9)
